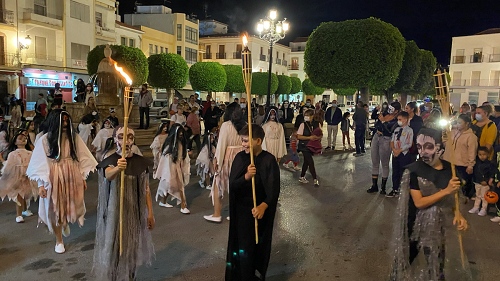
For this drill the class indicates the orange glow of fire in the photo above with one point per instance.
(245, 40)
(123, 74)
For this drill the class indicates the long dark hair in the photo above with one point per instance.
(170, 145)
(12, 143)
(54, 135)
(272, 108)
(161, 126)
(234, 113)
(110, 144)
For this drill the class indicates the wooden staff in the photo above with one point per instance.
(442, 94)
(246, 58)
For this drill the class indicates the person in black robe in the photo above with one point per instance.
(247, 260)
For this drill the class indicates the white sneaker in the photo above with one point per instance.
(473, 210)
(185, 211)
(482, 213)
(495, 219)
(66, 231)
(297, 168)
(212, 218)
(27, 213)
(201, 184)
(286, 165)
(303, 180)
(19, 219)
(60, 248)
(166, 205)
(228, 218)
(316, 183)
(209, 187)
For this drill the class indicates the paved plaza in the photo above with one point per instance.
(334, 232)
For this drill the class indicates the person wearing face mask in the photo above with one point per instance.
(305, 134)
(462, 144)
(401, 142)
(415, 122)
(428, 107)
(485, 129)
(99, 142)
(300, 118)
(308, 104)
(211, 116)
(333, 117)
(274, 141)
(360, 119)
(144, 101)
(287, 113)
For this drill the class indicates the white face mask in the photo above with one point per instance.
(479, 117)
(400, 123)
(307, 118)
(243, 105)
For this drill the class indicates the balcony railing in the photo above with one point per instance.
(278, 61)
(220, 56)
(7, 17)
(285, 63)
(207, 56)
(475, 83)
(263, 57)
(495, 58)
(77, 63)
(459, 59)
(42, 59)
(236, 55)
(52, 16)
(293, 67)
(9, 59)
(477, 58)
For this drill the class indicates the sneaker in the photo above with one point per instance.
(482, 213)
(286, 165)
(66, 231)
(495, 219)
(297, 168)
(228, 218)
(373, 189)
(19, 219)
(316, 183)
(333, 147)
(382, 192)
(59, 248)
(166, 205)
(212, 218)
(27, 213)
(473, 210)
(392, 194)
(202, 185)
(209, 187)
(185, 211)
(303, 180)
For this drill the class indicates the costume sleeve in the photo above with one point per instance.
(237, 174)
(272, 183)
(85, 158)
(220, 151)
(472, 150)
(12, 161)
(282, 147)
(39, 170)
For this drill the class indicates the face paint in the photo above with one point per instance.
(107, 125)
(391, 109)
(428, 149)
(127, 142)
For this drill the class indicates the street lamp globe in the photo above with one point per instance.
(273, 14)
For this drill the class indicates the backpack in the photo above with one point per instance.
(479, 130)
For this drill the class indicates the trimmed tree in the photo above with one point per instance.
(359, 54)
(309, 88)
(235, 83)
(425, 81)
(133, 61)
(296, 85)
(284, 85)
(259, 83)
(207, 76)
(168, 71)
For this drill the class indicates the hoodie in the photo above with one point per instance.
(463, 145)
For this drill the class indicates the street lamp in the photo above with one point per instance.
(272, 31)
(25, 44)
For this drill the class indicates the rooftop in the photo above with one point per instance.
(489, 31)
(128, 25)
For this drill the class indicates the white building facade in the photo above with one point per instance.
(475, 68)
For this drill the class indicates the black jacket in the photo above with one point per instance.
(483, 171)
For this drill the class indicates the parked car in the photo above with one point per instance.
(156, 108)
(372, 105)
(348, 106)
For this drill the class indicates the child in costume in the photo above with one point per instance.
(29, 127)
(99, 142)
(205, 160)
(428, 216)
(245, 259)
(293, 154)
(14, 184)
(138, 218)
(345, 125)
(159, 140)
(173, 168)
(484, 173)
(86, 128)
(274, 142)
(60, 164)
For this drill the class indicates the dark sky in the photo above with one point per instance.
(430, 23)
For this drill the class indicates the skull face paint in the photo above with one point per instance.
(428, 149)
(121, 141)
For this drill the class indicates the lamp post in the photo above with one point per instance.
(272, 31)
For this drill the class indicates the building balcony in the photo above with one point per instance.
(220, 56)
(207, 56)
(293, 67)
(30, 15)
(477, 58)
(41, 59)
(236, 55)
(278, 61)
(76, 63)
(465, 83)
(263, 58)
(106, 33)
(9, 60)
(458, 59)
(7, 17)
(494, 58)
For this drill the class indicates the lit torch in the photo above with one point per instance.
(246, 58)
(127, 106)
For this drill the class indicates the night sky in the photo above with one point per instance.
(430, 23)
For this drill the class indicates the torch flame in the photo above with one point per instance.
(245, 40)
(123, 74)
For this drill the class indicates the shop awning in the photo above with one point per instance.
(184, 93)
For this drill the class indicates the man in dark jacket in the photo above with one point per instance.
(287, 113)
(360, 119)
(333, 117)
(211, 117)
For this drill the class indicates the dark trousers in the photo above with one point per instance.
(359, 138)
(6, 110)
(143, 111)
(468, 189)
(197, 140)
(398, 167)
(308, 163)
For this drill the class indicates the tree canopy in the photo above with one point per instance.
(133, 61)
(309, 88)
(296, 85)
(259, 83)
(235, 83)
(207, 76)
(410, 69)
(168, 71)
(345, 92)
(284, 85)
(425, 80)
(366, 53)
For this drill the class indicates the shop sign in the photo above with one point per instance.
(48, 83)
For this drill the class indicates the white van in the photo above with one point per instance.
(156, 106)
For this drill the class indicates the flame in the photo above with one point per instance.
(123, 74)
(245, 40)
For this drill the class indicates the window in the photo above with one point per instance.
(191, 55)
(261, 50)
(150, 49)
(457, 78)
(166, 50)
(156, 49)
(475, 78)
(191, 35)
(123, 41)
(478, 55)
(179, 32)
(179, 50)
(131, 42)
(79, 11)
(161, 50)
(40, 7)
(79, 51)
(473, 97)
(493, 97)
(40, 47)
(98, 19)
